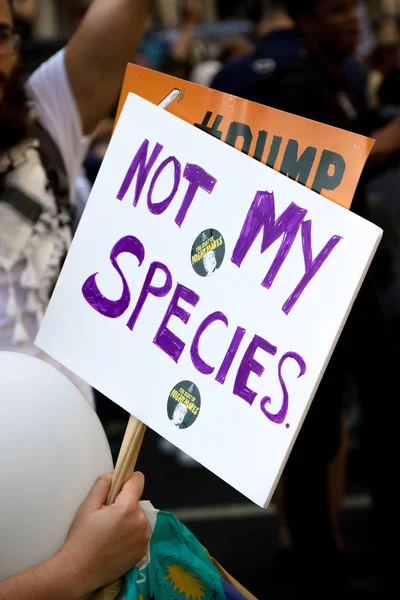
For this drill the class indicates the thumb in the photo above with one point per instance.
(98, 494)
(132, 490)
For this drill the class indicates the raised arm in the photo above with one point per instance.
(97, 54)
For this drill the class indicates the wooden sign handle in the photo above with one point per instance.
(123, 471)
(127, 457)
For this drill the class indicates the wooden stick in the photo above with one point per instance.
(123, 471)
(127, 457)
(231, 580)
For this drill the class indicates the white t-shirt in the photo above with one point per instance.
(50, 93)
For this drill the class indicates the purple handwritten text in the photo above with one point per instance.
(114, 308)
(165, 339)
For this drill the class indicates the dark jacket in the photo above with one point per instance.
(240, 77)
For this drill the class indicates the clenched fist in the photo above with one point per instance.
(105, 542)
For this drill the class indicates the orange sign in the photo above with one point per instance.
(326, 159)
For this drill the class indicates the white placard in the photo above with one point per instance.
(225, 365)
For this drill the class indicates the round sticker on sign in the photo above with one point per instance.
(208, 252)
(183, 404)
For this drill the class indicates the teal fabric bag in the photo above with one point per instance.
(177, 566)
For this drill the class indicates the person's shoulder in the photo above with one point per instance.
(243, 63)
(48, 86)
(51, 67)
(292, 87)
(299, 66)
(295, 72)
(282, 45)
(232, 73)
(54, 105)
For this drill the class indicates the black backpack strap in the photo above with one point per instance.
(54, 166)
(23, 204)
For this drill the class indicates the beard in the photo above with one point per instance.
(14, 110)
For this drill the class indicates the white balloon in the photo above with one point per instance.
(52, 449)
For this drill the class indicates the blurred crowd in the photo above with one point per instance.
(336, 61)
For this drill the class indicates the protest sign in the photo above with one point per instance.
(323, 158)
(204, 293)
